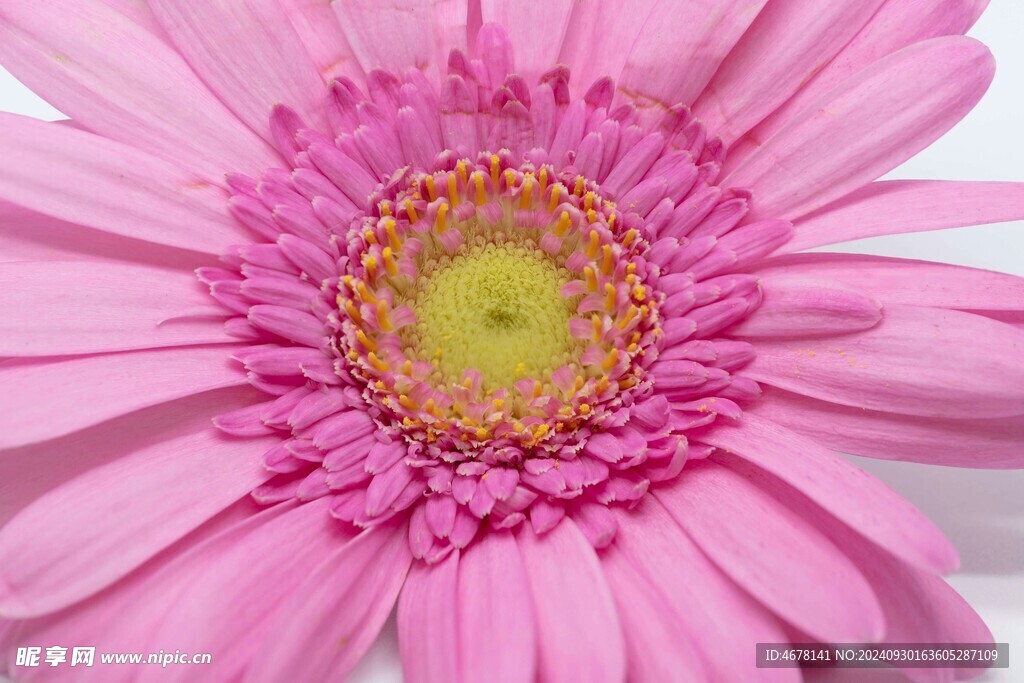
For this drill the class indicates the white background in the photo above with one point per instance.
(981, 511)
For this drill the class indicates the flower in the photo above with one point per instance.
(500, 322)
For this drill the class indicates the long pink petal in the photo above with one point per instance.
(796, 573)
(786, 44)
(892, 207)
(83, 178)
(90, 532)
(27, 235)
(56, 308)
(427, 623)
(133, 94)
(717, 614)
(28, 472)
(897, 24)
(420, 32)
(695, 33)
(905, 281)
(333, 616)
(536, 32)
(799, 306)
(658, 648)
(918, 361)
(866, 126)
(128, 612)
(321, 33)
(249, 54)
(578, 631)
(852, 495)
(975, 441)
(47, 400)
(230, 607)
(497, 636)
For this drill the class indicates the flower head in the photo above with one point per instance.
(502, 325)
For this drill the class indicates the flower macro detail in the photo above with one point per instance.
(500, 320)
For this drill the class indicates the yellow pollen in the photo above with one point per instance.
(579, 383)
(581, 185)
(364, 293)
(538, 388)
(564, 223)
(442, 219)
(628, 238)
(365, 341)
(510, 179)
(631, 268)
(478, 183)
(410, 211)
(639, 292)
(371, 266)
(389, 230)
(526, 200)
(591, 278)
(628, 318)
(389, 261)
(611, 361)
(385, 209)
(481, 433)
(594, 245)
(377, 362)
(460, 168)
(382, 316)
(495, 170)
(353, 312)
(607, 264)
(588, 201)
(431, 190)
(591, 216)
(556, 197)
(407, 368)
(370, 237)
(453, 189)
(407, 402)
(543, 176)
(609, 296)
(584, 408)
(596, 321)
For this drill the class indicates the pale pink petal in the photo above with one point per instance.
(717, 614)
(249, 54)
(919, 361)
(866, 126)
(133, 94)
(794, 575)
(892, 207)
(578, 631)
(420, 33)
(28, 472)
(27, 235)
(325, 41)
(975, 441)
(126, 614)
(695, 33)
(596, 25)
(93, 530)
(229, 608)
(427, 624)
(139, 12)
(536, 32)
(799, 306)
(658, 648)
(56, 308)
(496, 635)
(83, 178)
(54, 399)
(855, 497)
(334, 614)
(897, 24)
(785, 46)
(904, 281)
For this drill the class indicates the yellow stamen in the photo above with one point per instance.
(591, 277)
(377, 362)
(370, 237)
(495, 170)
(591, 216)
(543, 176)
(538, 388)
(407, 402)
(588, 201)
(385, 209)
(596, 321)
(389, 262)
(371, 266)
(442, 219)
(526, 200)
(453, 189)
(353, 312)
(628, 238)
(628, 318)
(365, 293)
(611, 222)
(564, 223)
(584, 408)
(611, 361)
(478, 182)
(460, 168)
(382, 316)
(510, 179)
(609, 297)
(581, 185)
(556, 197)
(365, 341)
(431, 190)
(410, 211)
(595, 244)
(389, 228)
(407, 368)
(607, 265)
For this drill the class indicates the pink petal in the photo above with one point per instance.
(918, 361)
(420, 32)
(717, 614)
(59, 308)
(26, 235)
(785, 46)
(798, 306)
(536, 42)
(427, 625)
(48, 400)
(93, 530)
(80, 177)
(850, 494)
(869, 124)
(133, 94)
(897, 24)
(333, 616)
(794, 574)
(698, 34)
(578, 632)
(249, 54)
(229, 608)
(321, 33)
(970, 442)
(658, 648)
(496, 635)
(897, 206)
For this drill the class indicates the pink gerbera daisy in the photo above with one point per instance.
(498, 320)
